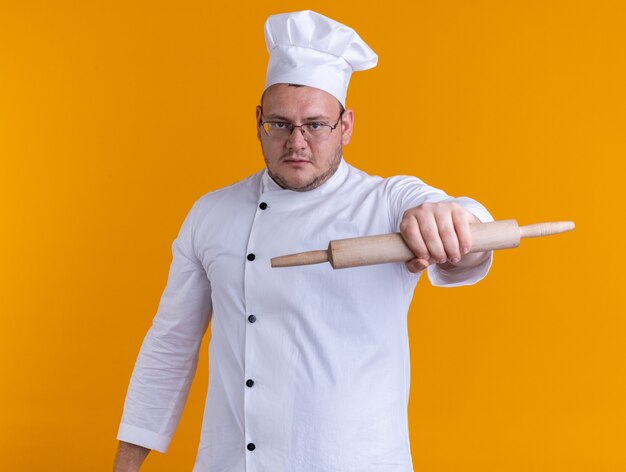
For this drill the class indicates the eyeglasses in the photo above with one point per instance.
(310, 131)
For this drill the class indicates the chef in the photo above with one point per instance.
(309, 367)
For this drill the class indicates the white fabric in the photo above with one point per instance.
(307, 48)
(328, 351)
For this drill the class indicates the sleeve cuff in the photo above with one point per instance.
(456, 277)
(143, 437)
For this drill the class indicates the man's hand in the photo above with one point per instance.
(439, 233)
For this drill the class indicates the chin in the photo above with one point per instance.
(297, 179)
(298, 184)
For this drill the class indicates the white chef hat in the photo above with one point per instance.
(310, 49)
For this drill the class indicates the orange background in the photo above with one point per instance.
(116, 116)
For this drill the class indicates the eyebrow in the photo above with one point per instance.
(306, 120)
(272, 116)
(317, 118)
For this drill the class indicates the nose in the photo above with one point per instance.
(296, 139)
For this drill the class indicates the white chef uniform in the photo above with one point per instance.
(309, 366)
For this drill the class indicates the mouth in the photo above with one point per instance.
(297, 162)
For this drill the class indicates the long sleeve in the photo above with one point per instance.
(406, 192)
(168, 356)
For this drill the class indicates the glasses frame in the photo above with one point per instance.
(306, 136)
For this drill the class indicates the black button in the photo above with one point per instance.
(251, 257)
(251, 447)
(262, 205)
(251, 318)
(249, 382)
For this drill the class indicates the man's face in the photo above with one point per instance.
(296, 162)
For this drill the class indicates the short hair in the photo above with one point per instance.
(341, 107)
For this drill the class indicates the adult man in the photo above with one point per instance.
(309, 367)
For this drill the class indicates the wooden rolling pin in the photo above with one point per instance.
(383, 248)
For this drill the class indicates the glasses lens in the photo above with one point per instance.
(316, 131)
(277, 130)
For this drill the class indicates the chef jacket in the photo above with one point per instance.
(308, 366)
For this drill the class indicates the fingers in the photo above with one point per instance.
(448, 236)
(461, 221)
(436, 233)
(429, 226)
(410, 230)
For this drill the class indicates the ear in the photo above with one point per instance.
(258, 122)
(347, 125)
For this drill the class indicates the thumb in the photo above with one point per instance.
(416, 265)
